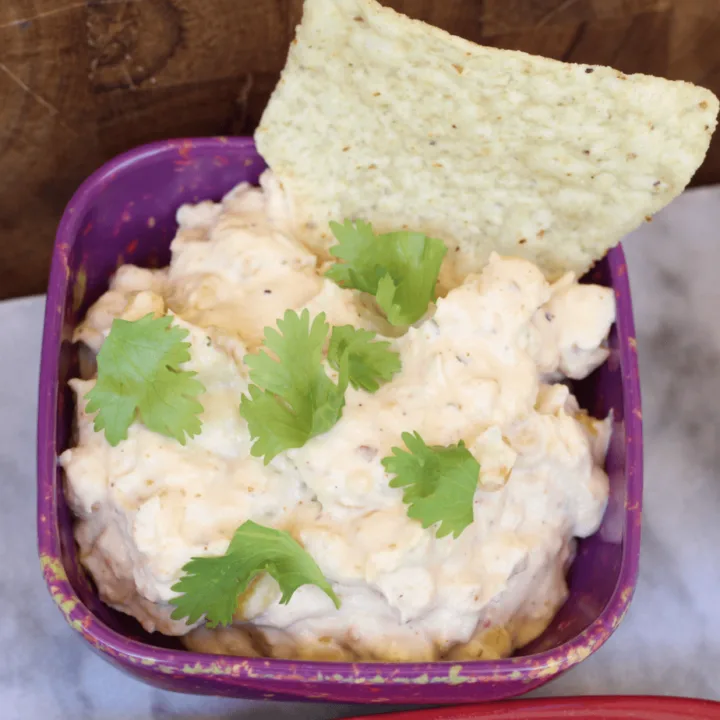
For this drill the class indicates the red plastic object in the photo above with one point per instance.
(580, 708)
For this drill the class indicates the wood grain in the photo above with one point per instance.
(82, 80)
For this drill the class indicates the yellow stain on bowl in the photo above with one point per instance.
(52, 568)
(79, 289)
(211, 669)
(581, 653)
(572, 657)
(67, 605)
(553, 667)
(619, 617)
(454, 677)
(54, 574)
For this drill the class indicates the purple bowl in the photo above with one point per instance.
(125, 212)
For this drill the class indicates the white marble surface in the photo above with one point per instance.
(668, 644)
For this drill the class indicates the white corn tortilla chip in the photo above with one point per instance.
(393, 121)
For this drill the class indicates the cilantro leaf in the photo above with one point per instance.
(293, 399)
(370, 362)
(139, 374)
(439, 483)
(211, 586)
(400, 268)
(272, 423)
(360, 268)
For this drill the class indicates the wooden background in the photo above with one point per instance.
(82, 80)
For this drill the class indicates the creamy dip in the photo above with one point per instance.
(487, 366)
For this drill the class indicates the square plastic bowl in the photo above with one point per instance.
(125, 213)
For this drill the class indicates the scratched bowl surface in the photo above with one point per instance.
(125, 213)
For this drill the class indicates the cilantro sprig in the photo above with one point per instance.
(139, 375)
(439, 483)
(292, 398)
(370, 362)
(399, 268)
(211, 586)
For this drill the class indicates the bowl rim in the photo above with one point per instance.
(535, 666)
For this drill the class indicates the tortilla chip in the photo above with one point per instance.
(393, 121)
